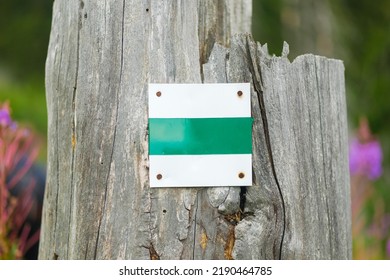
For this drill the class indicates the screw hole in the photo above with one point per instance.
(159, 176)
(158, 93)
(164, 211)
(241, 175)
(147, 10)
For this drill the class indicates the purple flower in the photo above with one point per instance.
(388, 248)
(365, 159)
(5, 118)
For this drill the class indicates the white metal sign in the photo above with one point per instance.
(200, 135)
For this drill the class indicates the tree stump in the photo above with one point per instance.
(98, 202)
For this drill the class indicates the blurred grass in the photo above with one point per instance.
(28, 105)
(370, 243)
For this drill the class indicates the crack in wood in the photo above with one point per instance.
(73, 129)
(195, 221)
(243, 191)
(229, 246)
(114, 137)
(57, 152)
(258, 87)
(153, 253)
(234, 218)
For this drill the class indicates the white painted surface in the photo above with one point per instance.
(199, 100)
(200, 170)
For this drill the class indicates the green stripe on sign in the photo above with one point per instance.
(197, 136)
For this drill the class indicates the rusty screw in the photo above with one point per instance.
(158, 93)
(241, 175)
(239, 93)
(159, 176)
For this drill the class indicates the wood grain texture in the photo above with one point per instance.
(98, 203)
(304, 118)
(219, 20)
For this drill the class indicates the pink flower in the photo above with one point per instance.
(365, 159)
(5, 117)
(18, 151)
(388, 248)
(365, 153)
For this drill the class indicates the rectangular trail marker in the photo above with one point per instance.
(200, 135)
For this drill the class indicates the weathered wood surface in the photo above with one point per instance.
(98, 204)
(219, 20)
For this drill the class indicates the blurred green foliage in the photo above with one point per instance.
(28, 103)
(25, 29)
(267, 25)
(365, 32)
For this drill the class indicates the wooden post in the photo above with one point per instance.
(98, 203)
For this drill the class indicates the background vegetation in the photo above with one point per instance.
(24, 30)
(355, 31)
